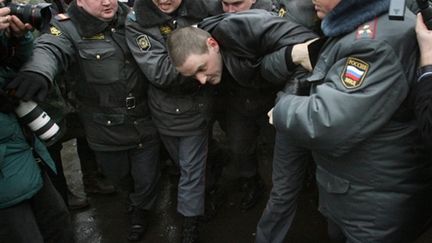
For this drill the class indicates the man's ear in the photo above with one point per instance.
(211, 42)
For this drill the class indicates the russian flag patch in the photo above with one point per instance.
(354, 72)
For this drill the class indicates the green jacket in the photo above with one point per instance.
(20, 176)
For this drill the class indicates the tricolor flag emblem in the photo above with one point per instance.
(354, 72)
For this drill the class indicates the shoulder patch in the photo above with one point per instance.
(367, 30)
(354, 72)
(54, 31)
(143, 42)
(61, 17)
(282, 12)
(165, 29)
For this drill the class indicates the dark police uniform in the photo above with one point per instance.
(112, 93)
(373, 176)
(180, 106)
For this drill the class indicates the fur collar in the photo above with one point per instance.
(349, 14)
(88, 25)
(148, 14)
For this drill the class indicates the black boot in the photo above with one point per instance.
(138, 224)
(190, 232)
(253, 190)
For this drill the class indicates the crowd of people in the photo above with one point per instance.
(344, 87)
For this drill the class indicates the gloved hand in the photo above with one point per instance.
(29, 86)
(305, 54)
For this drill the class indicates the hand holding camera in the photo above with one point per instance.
(29, 86)
(424, 39)
(23, 17)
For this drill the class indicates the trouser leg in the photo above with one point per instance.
(18, 224)
(289, 166)
(190, 153)
(51, 214)
(134, 171)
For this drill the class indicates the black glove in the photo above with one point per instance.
(8, 103)
(29, 86)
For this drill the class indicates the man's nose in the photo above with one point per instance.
(201, 78)
(231, 9)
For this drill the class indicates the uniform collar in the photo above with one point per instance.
(349, 14)
(88, 25)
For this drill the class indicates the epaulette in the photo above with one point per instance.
(367, 30)
(131, 16)
(62, 17)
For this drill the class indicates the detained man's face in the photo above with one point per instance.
(207, 67)
(323, 7)
(167, 6)
(104, 10)
(234, 6)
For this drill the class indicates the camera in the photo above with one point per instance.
(37, 120)
(426, 12)
(38, 15)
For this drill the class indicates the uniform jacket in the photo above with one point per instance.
(245, 39)
(179, 105)
(372, 172)
(298, 11)
(20, 175)
(111, 88)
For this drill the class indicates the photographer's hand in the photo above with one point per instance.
(17, 27)
(424, 39)
(29, 86)
(4, 18)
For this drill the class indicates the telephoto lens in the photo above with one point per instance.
(37, 120)
(38, 15)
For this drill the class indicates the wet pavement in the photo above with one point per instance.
(105, 221)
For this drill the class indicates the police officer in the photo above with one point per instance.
(180, 108)
(373, 176)
(111, 92)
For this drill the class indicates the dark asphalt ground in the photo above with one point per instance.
(105, 221)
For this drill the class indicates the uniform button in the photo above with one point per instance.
(200, 105)
(135, 122)
(113, 30)
(127, 61)
(98, 56)
(140, 145)
(177, 110)
(108, 122)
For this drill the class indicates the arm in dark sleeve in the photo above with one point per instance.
(422, 93)
(150, 53)
(52, 54)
